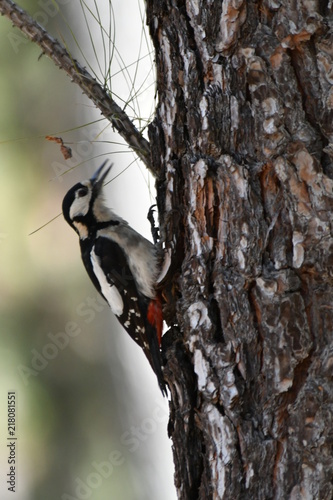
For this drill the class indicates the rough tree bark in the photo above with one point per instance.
(242, 144)
(241, 141)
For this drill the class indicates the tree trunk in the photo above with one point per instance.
(241, 141)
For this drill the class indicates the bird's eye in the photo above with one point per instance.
(82, 192)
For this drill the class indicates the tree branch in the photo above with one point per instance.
(79, 75)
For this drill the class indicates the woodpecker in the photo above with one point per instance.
(121, 263)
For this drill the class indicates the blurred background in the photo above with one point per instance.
(90, 419)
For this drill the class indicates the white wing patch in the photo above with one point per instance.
(110, 292)
(140, 253)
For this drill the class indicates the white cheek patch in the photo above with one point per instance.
(80, 205)
(110, 292)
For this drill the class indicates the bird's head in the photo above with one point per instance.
(83, 206)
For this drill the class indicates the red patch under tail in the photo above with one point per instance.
(155, 317)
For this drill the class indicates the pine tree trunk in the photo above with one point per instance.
(241, 141)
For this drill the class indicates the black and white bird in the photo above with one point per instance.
(122, 264)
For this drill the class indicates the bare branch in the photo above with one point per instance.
(79, 75)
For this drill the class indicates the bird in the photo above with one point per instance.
(121, 263)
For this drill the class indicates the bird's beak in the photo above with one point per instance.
(99, 176)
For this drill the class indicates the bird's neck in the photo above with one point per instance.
(88, 230)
